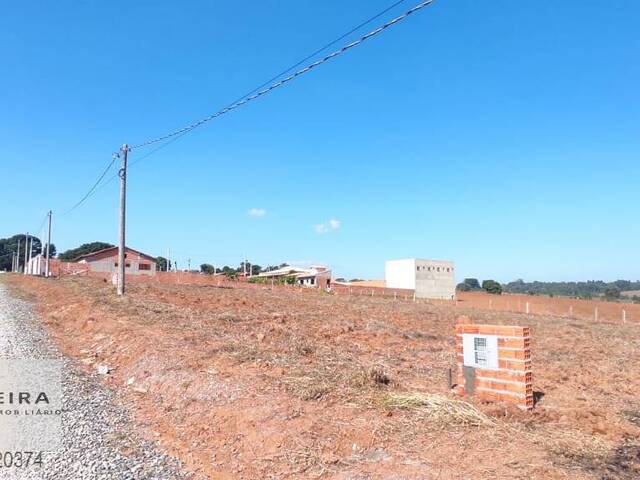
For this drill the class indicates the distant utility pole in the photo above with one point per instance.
(168, 259)
(18, 258)
(124, 151)
(26, 246)
(46, 265)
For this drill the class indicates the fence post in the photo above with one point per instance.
(395, 295)
(414, 296)
(527, 307)
(595, 314)
(624, 316)
(571, 310)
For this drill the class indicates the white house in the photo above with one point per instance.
(316, 276)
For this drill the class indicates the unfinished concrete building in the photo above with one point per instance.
(429, 278)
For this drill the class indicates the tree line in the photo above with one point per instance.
(9, 246)
(588, 289)
(585, 290)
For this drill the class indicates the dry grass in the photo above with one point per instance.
(438, 409)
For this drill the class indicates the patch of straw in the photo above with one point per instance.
(438, 408)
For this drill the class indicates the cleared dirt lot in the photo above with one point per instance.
(274, 384)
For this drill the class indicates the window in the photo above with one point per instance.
(144, 266)
(438, 268)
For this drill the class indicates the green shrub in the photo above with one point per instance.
(491, 286)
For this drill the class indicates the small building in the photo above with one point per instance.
(316, 276)
(429, 278)
(106, 261)
(36, 265)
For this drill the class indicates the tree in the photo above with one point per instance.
(473, 283)
(255, 269)
(612, 293)
(9, 246)
(84, 249)
(491, 286)
(463, 287)
(52, 250)
(229, 272)
(161, 263)
(207, 268)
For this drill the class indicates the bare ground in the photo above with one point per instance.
(273, 384)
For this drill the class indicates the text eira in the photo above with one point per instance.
(20, 398)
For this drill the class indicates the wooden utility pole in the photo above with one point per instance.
(46, 265)
(124, 150)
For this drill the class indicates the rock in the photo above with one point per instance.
(103, 370)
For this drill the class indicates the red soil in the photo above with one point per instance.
(273, 384)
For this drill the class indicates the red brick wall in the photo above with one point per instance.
(511, 382)
(59, 268)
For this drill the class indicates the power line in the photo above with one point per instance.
(243, 99)
(320, 50)
(93, 188)
(285, 80)
(284, 72)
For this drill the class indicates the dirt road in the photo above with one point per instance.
(99, 442)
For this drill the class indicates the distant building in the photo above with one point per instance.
(317, 276)
(36, 265)
(106, 261)
(429, 278)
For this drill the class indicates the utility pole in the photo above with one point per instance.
(124, 151)
(168, 259)
(26, 245)
(46, 265)
(18, 258)
(30, 248)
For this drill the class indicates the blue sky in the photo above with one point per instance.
(502, 135)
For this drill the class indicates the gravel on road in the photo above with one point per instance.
(99, 438)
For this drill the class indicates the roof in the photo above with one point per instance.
(297, 272)
(88, 256)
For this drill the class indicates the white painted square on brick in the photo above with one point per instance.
(480, 351)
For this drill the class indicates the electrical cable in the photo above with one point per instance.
(285, 80)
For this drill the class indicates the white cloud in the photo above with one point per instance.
(327, 227)
(257, 212)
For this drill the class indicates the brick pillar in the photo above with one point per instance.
(511, 380)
